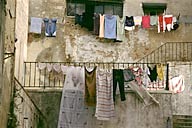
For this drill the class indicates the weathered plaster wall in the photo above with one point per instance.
(7, 21)
(129, 114)
(21, 31)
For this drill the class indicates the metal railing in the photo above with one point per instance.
(170, 51)
(38, 75)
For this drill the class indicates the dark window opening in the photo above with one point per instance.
(85, 9)
(154, 8)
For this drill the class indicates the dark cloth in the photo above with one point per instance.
(96, 21)
(118, 78)
(129, 21)
(153, 73)
(79, 19)
(90, 87)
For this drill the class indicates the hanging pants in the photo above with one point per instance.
(118, 78)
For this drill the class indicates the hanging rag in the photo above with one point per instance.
(57, 67)
(105, 106)
(137, 20)
(49, 67)
(96, 22)
(90, 87)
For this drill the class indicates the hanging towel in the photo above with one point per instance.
(101, 27)
(120, 28)
(90, 87)
(36, 24)
(176, 84)
(110, 26)
(105, 106)
(146, 21)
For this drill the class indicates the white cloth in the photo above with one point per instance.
(49, 67)
(36, 24)
(176, 84)
(137, 20)
(57, 67)
(42, 66)
(64, 69)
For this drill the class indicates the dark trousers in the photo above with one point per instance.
(118, 78)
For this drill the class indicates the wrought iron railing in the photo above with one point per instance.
(40, 75)
(170, 51)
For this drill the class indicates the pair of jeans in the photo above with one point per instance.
(50, 27)
(118, 78)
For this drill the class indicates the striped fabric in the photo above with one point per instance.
(105, 105)
(176, 84)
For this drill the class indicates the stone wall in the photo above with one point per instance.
(129, 114)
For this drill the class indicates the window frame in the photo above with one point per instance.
(154, 8)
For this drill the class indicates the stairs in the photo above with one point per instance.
(182, 121)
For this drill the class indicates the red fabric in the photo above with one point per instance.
(168, 20)
(146, 21)
(161, 22)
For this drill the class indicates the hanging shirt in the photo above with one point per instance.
(120, 28)
(146, 21)
(129, 23)
(110, 26)
(101, 27)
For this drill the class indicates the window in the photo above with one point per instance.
(154, 8)
(75, 8)
(114, 7)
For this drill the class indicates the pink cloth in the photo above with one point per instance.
(42, 66)
(146, 21)
(49, 67)
(57, 67)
